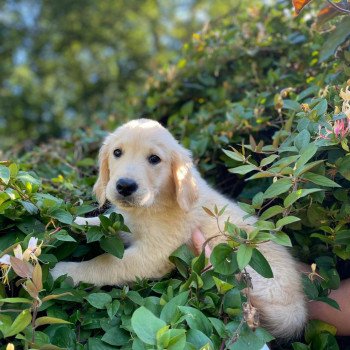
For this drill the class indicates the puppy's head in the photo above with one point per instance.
(142, 165)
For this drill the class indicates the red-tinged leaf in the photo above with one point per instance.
(299, 5)
(30, 287)
(325, 14)
(209, 212)
(38, 277)
(21, 268)
(55, 296)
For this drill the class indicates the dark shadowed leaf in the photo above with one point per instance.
(260, 264)
(113, 245)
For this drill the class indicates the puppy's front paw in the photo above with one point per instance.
(65, 268)
(79, 220)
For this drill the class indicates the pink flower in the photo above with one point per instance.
(341, 128)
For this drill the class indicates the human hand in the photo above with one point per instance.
(198, 241)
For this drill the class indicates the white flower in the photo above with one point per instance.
(345, 95)
(18, 252)
(5, 260)
(5, 266)
(32, 244)
(33, 250)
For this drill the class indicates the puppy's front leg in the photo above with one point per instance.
(87, 221)
(106, 269)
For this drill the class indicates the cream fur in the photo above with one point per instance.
(164, 211)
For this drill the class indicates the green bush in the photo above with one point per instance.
(257, 90)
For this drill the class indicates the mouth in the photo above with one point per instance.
(126, 203)
(137, 200)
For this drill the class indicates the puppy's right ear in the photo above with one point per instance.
(103, 176)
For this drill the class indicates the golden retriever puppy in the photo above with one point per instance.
(152, 181)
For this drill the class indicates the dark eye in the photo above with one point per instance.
(117, 152)
(154, 159)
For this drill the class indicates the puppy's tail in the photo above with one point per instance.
(284, 321)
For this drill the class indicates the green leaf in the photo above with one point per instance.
(292, 105)
(315, 327)
(49, 320)
(146, 325)
(234, 155)
(321, 107)
(302, 140)
(308, 166)
(342, 237)
(113, 245)
(335, 38)
(282, 239)
(219, 326)
(247, 208)
(113, 308)
(63, 235)
(344, 167)
(116, 336)
(62, 216)
(300, 346)
(269, 213)
(249, 340)
(20, 323)
(222, 286)
(105, 222)
(223, 258)
(258, 200)
(13, 170)
(5, 174)
(170, 312)
(286, 221)
(268, 159)
(182, 258)
(171, 339)
(26, 177)
(278, 187)
(309, 287)
(199, 340)
(320, 180)
(294, 196)
(29, 207)
(244, 255)
(98, 344)
(196, 319)
(265, 225)
(307, 153)
(16, 300)
(329, 301)
(93, 234)
(99, 300)
(260, 264)
(243, 169)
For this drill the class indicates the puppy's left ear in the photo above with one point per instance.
(103, 176)
(184, 179)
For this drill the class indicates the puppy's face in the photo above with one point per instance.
(142, 165)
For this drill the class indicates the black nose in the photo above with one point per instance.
(126, 186)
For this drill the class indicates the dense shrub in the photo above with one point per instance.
(257, 90)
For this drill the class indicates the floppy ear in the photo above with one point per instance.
(103, 176)
(184, 179)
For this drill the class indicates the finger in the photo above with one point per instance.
(198, 240)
